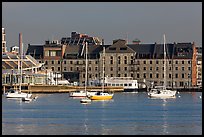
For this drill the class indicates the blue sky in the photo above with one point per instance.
(147, 21)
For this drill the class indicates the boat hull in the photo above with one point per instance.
(101, 97)
(18, 95)
(163, 94)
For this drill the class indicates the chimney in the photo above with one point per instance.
(20, 44)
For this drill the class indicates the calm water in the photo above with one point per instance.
(126, 114)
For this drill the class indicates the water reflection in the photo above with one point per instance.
(165, 114)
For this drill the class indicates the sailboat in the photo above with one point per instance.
(102, 95)
(162, 91)
(11, 93)
(86, 99)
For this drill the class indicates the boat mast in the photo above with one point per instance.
(164, 62)
(86, 67)
(20, 54)
(103, 68)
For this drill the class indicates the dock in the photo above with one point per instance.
(61, 88)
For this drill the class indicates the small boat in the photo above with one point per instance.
(102, 96)
(11, 93)
(81, 93)
(85, 100)
(27, 99)
(162, 91)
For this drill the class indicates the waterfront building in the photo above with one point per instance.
(199, 66)
(4, 48)
(30, 70)
(143, 62)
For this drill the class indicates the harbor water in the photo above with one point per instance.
(125, 114)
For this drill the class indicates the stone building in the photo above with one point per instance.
(143, 62)
(4, 48)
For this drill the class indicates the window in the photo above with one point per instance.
(182, 62)
(111, 69)
(181, 84)
(144, 75)
(138, 75)
(46, 53)
(96, 68)
(176, 62)
(182, 75)
(65, 62)
(53, 62)
(144, 68)
(157, 75)
(176, 75)
(169, 75)
(150, 68)
(150, 75)
(124, 48)
(58, 62)
(52, 53)
(182, 68)
(65, 68)
(111, 61)
(53, 68)
(58, 68)
(144, 62)
(150, 62)
(71, 62)
(125, 61)
(111, 48)
(157, 62)
(125, 68)
(157, 68)
(176, 68)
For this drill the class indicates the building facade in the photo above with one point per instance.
(143, 62)
(4, 48)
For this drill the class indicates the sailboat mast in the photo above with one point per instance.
(86, 67)
(20, 63)
(164, 62)
(103, 67)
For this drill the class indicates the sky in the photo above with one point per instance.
(146, 21)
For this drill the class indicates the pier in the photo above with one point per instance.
(60, 88)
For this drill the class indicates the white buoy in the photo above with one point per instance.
(179, 96)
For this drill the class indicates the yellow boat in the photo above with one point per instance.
(101, 96)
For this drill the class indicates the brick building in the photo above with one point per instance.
(143, 62)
